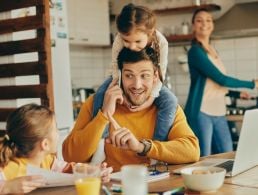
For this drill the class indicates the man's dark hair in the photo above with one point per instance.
(128, 56)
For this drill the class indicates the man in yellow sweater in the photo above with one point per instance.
(131, 132)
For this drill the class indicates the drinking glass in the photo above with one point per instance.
(87, 179)
(134, 179)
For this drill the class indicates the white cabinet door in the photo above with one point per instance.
(89, 22)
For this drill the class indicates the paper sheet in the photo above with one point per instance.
(52, 178)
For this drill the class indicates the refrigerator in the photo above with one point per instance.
(61, 70)
(61, 65)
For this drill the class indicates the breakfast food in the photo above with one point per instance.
(201, 172)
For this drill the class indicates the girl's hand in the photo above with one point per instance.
(256, 83)
(22, 184)
(69, 167)
(105, 172)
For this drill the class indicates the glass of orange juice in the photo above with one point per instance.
(87, 179)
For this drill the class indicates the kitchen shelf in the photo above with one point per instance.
(209, 7)
(179, 38)
(189, 9)
(176, 10)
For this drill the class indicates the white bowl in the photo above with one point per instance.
(203, 179)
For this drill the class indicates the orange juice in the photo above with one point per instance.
(88, 186)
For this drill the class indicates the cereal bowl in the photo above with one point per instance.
(203, 179)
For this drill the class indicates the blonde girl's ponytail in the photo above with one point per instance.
(7, 149)
(156, 47)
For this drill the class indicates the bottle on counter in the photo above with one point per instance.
(197, 2)
(185, 28)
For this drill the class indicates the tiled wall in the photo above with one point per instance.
(89, 66)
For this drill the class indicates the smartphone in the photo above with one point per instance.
(119, 78)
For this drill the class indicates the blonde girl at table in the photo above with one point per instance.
(31, 137)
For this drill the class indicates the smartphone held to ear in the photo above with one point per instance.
(119, 78)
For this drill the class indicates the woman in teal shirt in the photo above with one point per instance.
(205, 107)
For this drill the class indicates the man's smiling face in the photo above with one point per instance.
(138, 79)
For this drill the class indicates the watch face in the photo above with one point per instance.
(147, 147)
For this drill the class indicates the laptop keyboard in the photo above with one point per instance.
(228, 165)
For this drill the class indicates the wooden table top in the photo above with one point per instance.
(164, 185)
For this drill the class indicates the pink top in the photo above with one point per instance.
(213, 102)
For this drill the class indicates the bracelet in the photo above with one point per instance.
(147, 146)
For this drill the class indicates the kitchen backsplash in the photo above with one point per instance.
(90, 66)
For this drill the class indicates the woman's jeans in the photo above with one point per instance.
(214, 134)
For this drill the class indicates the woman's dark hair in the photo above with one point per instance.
(139, 18)
(198, 11)
(128, 56)
(25, 127)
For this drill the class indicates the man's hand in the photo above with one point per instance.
(123, 138)
(113, 95)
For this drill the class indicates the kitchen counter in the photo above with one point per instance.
(235, 118)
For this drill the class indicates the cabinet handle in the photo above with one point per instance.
(85, 39)
(71, 38)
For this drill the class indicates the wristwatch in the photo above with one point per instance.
(147, 147)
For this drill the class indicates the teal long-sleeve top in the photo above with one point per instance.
(201, 68)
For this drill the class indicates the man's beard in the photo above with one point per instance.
(135, 101)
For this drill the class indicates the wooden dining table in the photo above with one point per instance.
(166, 184)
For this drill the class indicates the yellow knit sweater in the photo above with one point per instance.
(182, 145)
(18, 167)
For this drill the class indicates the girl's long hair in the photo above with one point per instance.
(26, 126)
(139, 18)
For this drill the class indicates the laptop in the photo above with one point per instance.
(246, 156)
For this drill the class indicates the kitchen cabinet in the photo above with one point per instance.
(88, 22)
